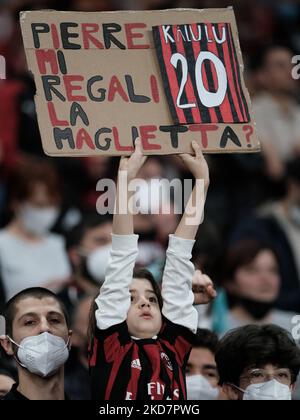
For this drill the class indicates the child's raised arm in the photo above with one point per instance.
(128, 170)
(114, 300)
(179, 271)
(197, 165)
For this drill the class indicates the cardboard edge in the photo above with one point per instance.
(205, 152)
(146, 12)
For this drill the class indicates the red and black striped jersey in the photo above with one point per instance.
(123, 368)
(182, 90)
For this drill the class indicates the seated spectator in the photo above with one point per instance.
(38, 338)
(258, 363)
(252, 283)
(30, 255)
(279, 224)
(201, 372)
(276, 110)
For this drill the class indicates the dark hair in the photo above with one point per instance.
(89, 221)
(30, 172)
(207, 249)
(34, 292)
(206, 339)
(142, 273)
(259, 60)
(241, 254)
(256, 346)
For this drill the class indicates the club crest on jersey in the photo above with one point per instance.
(166, 361)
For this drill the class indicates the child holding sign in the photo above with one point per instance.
(141, 342)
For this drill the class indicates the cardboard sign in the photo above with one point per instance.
(100, 86)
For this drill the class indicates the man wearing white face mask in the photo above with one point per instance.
(38, 338)
(30, 255)
(258, 363)
(201, 373)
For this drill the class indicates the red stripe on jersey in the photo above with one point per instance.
(117, 362)
(93, 359)
(111, 347)
(154, 354)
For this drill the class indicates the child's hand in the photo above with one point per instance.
(134, 163)
(197, 164)
(203, 289)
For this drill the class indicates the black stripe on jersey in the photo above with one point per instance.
(229, 93)
(235, 66)
(240, 81)
(166, 84)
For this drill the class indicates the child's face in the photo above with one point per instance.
(144, 318)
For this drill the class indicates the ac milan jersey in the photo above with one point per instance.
(189, 41)
(123, 368)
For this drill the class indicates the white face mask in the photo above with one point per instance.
(97, 262)
(42, 354)
(199, 389)
(268, 391)
(38, 221)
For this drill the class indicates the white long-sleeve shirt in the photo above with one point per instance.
(114, 300)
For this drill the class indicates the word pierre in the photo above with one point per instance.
(74, 36)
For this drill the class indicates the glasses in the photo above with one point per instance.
(258, 376)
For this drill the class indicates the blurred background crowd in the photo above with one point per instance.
(51, 235)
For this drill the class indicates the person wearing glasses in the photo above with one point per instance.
(258, 363)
